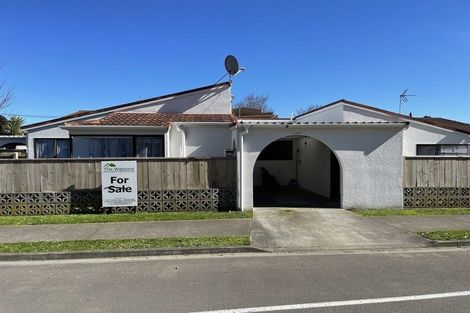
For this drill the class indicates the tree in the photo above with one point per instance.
(306, 109)
(254, 101)
(14, 125)
(6, 96)
(3, 125)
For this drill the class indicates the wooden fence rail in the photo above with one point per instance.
(55, 175)
(436, 172)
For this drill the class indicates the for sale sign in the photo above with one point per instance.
(119, 183)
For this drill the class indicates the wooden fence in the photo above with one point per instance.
(56, 175)
(436, 172)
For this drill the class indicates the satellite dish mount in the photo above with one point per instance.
(232, 67)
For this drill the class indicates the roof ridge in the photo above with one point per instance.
(390, 113)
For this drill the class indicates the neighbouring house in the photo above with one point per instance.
(12, 146)
(252, 113)
(343, 154)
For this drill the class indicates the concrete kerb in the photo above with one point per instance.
(389, 247)
(450, 243)
(124, 253)
(5, 257)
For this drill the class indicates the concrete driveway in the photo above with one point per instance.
(294, 229)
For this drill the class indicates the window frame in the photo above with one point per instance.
(68, 140)
(438, 150)
(136, 137)
(134, 143)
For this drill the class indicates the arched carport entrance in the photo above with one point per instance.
(369, 155)
(297, 171)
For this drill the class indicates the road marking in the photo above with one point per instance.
(304, 306)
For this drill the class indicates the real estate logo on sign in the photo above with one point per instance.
(119, 183)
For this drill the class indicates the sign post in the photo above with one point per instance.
(119, 183)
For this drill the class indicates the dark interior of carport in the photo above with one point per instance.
(297, 171)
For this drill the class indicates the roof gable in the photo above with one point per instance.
(89, 113)
(354, 104)
(436, 122)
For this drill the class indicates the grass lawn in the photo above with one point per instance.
(124, 217)
(409, 212)
(446, 235)
(123, 244)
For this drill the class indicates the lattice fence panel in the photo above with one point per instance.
(89, 201)
(436, 197)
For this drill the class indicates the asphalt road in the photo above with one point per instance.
(207, 283)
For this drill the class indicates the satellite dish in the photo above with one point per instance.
(231, 65)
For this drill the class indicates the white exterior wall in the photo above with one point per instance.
(418, 133)
(214, 101)
(354, 114)
(46, 132)
(331, 114)
(314, 166)
(370, 159)
(207, 141)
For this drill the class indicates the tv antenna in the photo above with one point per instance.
(403, 99)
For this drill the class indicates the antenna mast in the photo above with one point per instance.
(403, 99)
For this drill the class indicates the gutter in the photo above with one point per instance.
(112, 127)
(325, 125)
(202, 123)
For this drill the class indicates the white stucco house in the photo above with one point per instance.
(343, 154)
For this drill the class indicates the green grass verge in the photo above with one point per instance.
(122, 244)
(409, 212)
(446, 235)
(124, 217)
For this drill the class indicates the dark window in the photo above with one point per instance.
(443, 150)
(277, 150)
(146, 147)
(102, 147)
(427, 150)
(117, 146)
(52, 148)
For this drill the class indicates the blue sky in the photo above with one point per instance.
(62, 56)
